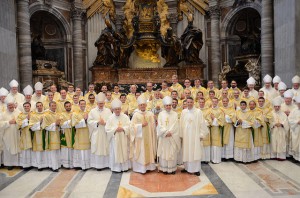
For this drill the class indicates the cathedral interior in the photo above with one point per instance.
(107, 41)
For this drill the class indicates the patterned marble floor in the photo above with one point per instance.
(267, 178)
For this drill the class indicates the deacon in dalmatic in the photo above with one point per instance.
(168, 137)
(143, 138)
(82, 144)
(117, 128)
(51, 123)
(192, 131)
(99, 140)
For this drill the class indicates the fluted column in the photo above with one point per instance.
(267, 37)
(214, 12)
(24, 43)
(77, 46)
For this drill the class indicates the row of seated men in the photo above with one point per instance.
(239, 126)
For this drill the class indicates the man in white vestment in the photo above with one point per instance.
(251, 84)
(143, 138)
(279, 129)
(11, 134)
(28, 91)
(38, 94)
(281, 89)
(118, 130)
(296, 85)
(19, 98)
(168, 138)
(3, 106)
(192, 131)
(99, 140)
(269, 91)
(294, 120)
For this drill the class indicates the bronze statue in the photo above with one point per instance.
(124, 51)
(171, 49)
(192, 43)
(106, 45)
(37, 48)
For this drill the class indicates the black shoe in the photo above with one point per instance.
(124, 171)
(54, 170)
(99, 169)
(116, 172)
(165, 173)
(183, 171)
(40, 169)
(197, 173)
(26, 169)
(173, 173)
(10, 167)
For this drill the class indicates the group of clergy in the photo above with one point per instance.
(172, 126)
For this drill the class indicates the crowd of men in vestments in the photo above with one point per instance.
(155, 129)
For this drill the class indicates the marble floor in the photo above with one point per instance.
(268, 178)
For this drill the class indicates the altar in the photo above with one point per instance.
(145, 48)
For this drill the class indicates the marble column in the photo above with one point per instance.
(214, 12)
(24, 43)
(77, 14)
(267, 37)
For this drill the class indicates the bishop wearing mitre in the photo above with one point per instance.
(193, 130)
(143, 138)
(117, 128)
(168, 137)
(99, 141)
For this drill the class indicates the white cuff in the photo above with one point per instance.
(81, 124)
(245, 125)
(51, 127)
(66, 125)
(24, 123)
(36, 126)
(256, 124)
(227, 119)
(215, 122)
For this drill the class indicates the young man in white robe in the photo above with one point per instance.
(192, 131)
(25, 139)
(279, 129)
(99, 141)
(143, 138)
(82, 144)
(294, 120)
(168, 138)
(11, 134)
(67, 136)
(117, 128)
(39, 156)
(51, 123)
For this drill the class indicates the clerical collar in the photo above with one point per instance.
(100, 109)
(244, 111)
(215, 107)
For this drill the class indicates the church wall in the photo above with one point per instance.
(297, 64)
(8, 48)
(285, 39)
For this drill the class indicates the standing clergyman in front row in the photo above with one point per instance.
(193, 130)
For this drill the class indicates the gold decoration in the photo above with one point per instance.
(186, 7)
(147, 49)
(100, 6)
(225, 70)
(129, 11)
(162, 9)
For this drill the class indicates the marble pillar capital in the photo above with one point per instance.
(214, 12)
(76, 13)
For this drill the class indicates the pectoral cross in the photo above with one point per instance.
(120, 124)
(167, 121)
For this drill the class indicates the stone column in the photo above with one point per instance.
(214, 12)
(267, 49)
(24, 43)
(77, 14)
(173, 19)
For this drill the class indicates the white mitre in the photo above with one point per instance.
(116, 103)
(100, 97)
(267, 79)
(13, 83)
(167, 100)
(288, 94)
(297, 99)
(28, 91)
(276, 102)
(141, 100)
(276, 79)
(251, 81)
(38, 86)
(296, 79)
(9, 99)
(3, 91)
(282, 86)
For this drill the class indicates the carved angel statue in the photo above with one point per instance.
(225, 70)
(129, 12)
(253, 68)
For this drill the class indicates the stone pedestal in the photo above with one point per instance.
(144, 75)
